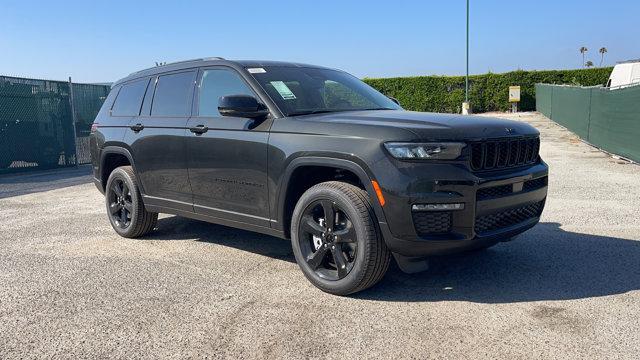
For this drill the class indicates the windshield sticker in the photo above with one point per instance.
(283, 90)
(256, 70)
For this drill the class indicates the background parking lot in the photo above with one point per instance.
(70, 287)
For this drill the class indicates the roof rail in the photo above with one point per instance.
(179, 62)
(628, 61)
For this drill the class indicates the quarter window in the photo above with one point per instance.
(173, 95)
(129, 99)
(216, 83)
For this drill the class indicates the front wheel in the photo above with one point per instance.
(336, 240)
(125, 209)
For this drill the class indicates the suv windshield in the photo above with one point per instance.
(302, 91)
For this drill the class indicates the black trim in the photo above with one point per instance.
(217, 220)
(352, 166)
(112, 149)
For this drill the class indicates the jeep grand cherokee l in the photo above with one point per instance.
(316, 156)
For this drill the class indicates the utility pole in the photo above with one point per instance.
(466, 107)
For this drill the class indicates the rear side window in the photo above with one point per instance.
(173, 95)
(129, 99)
(217, 83)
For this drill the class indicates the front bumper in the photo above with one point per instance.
(490, 213)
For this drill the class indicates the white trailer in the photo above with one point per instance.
(625, 74)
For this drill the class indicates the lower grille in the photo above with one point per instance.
(506, 190)
(495, 192)
(432, 222)
(508, 217)
(535, 184)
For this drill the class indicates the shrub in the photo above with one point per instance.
(488, 92)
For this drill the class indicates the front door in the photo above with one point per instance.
(158, 140)
(227, 156)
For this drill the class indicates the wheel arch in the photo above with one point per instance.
(284, 196)
(112, 157)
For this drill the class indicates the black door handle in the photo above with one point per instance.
(137, 127)
(198, 130)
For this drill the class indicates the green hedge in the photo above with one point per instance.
(488, 92)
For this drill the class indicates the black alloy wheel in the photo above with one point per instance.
(120, 203)
(336, 240)
(125, 208)
(328, 240)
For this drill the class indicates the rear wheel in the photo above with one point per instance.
(125, 208)
(336, 240)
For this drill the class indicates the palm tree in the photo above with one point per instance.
(602, 51)
(588, 64)
(583, 50)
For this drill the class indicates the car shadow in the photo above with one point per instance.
(180, 228)
(43, 180)
(544, 263)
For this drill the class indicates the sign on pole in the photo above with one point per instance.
(514, 94)
(514, 97)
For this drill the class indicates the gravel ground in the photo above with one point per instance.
(70, 287)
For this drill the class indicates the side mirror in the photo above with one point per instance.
(244, 106)
(394, 100)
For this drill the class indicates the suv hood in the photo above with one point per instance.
(432, 126)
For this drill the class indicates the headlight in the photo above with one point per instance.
(436, 151)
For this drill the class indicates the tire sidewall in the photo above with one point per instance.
(349, 282)
(120, 173)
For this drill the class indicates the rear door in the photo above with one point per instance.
(227, 156)
(157, 139)
(635, 73)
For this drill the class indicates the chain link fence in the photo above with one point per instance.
(46, 124)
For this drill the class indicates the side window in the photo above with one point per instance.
(129, 99)
(148, 97)
(216, 83)
(173, 95)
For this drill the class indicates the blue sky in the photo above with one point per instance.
(101, 41)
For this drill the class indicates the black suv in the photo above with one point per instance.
(313, 155)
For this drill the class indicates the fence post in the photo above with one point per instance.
(551, 105)
(589, 118)
(73, 120)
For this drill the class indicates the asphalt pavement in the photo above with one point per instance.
(568, 288)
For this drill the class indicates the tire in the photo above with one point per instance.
(353, 239)
(125, 208)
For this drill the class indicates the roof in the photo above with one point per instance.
(186, 64)
(628, 61)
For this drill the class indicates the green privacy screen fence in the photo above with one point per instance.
(37, 122)
(608, 119)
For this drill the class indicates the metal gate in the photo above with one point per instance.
(37, 128)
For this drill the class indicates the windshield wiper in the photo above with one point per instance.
(380, 108)
(309, 112)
